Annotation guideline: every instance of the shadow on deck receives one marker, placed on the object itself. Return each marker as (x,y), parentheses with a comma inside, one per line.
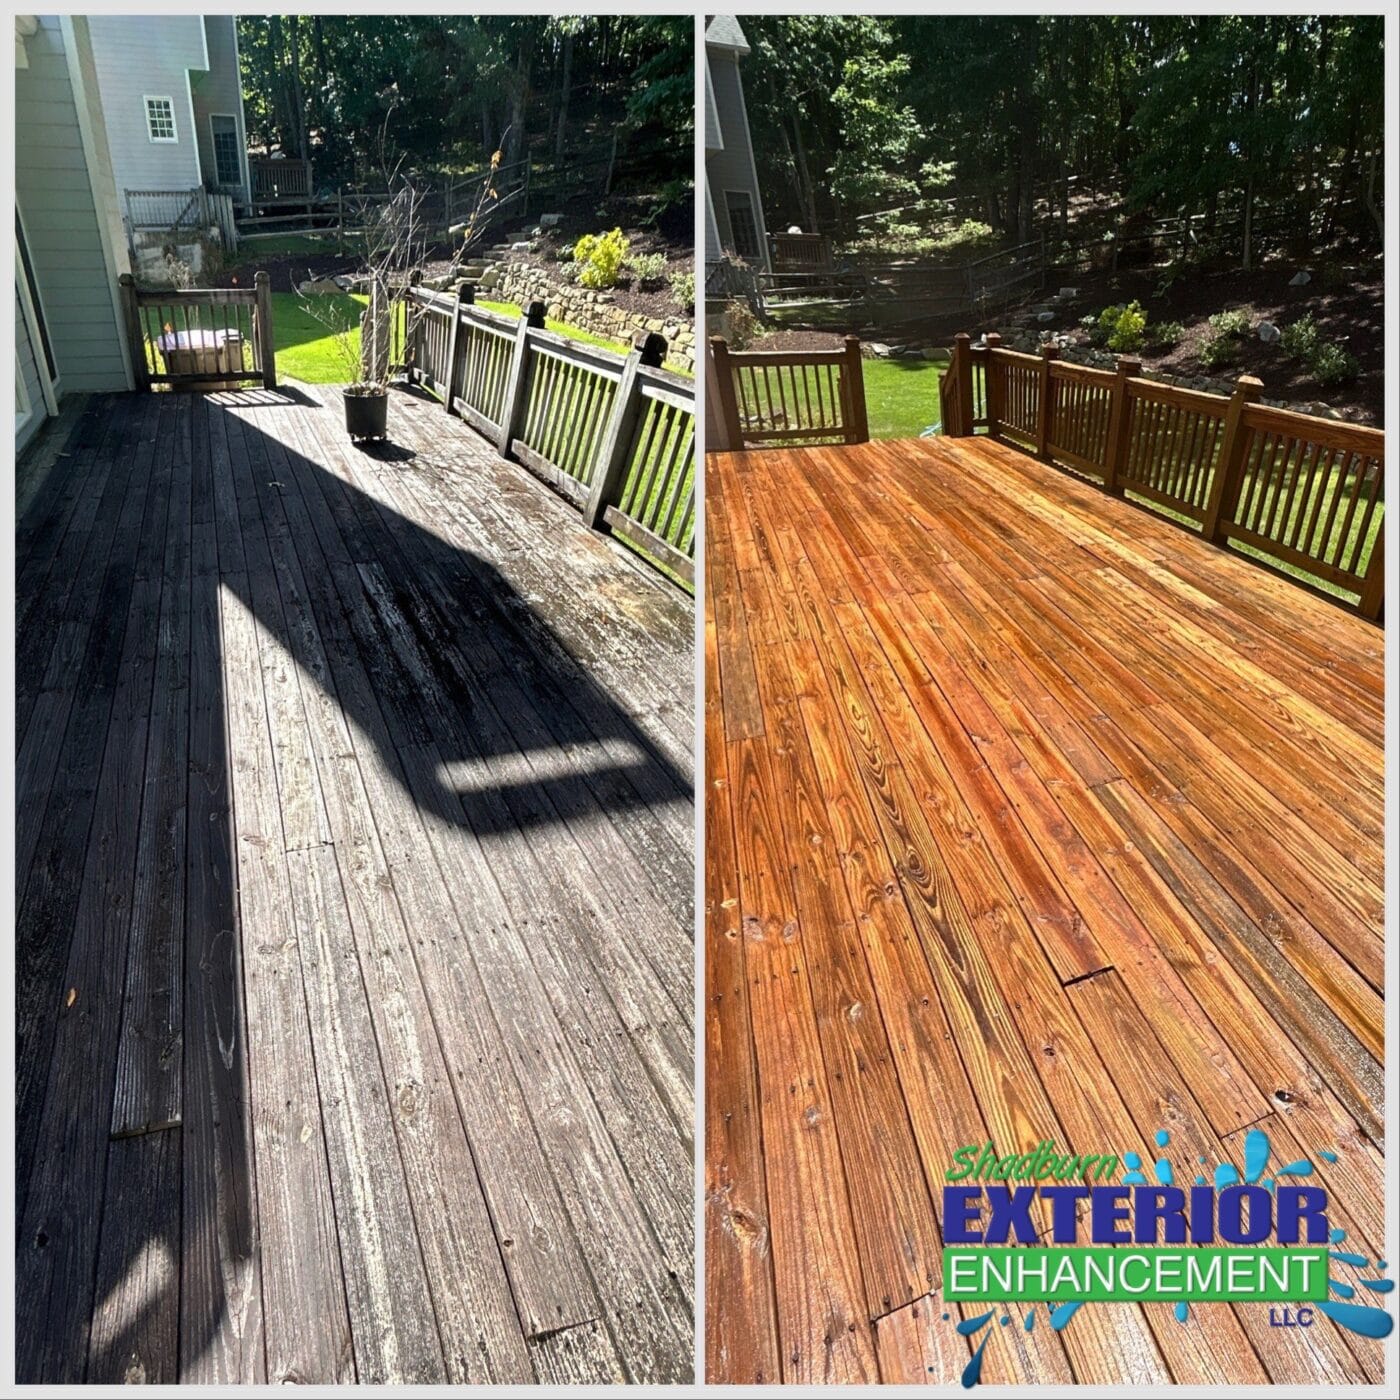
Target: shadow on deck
(347,780)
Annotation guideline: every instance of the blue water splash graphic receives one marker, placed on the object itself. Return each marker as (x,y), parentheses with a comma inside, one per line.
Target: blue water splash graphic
(1030,1321)
(972,1372)
(1182,1311)
(1356,1317)
(1226,1174)
(1133,1176)
(1328,1156)
(1163,1168)
(1061,1313)
(1357,1261)
(1337,1235)
(1342,1290)
(1256,1155)
(1296,1169)
(969,1325)
(1379,1285)
(1162,1137)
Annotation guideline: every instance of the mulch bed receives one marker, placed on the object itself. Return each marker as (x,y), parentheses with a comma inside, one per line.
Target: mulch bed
(1347,303)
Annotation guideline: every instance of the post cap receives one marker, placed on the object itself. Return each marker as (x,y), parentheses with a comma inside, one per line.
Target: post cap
(260,278)
(1248,386)
(651,347)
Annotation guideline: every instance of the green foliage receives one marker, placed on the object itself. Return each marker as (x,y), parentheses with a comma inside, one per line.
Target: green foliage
(683,289)
(598,258)
(1301,339)
(1233,324)
(1165,335)
(1332,365)
(1220,350)
(743,324)
(649,269)
(1329,363)
(1121,328)
(1185,113)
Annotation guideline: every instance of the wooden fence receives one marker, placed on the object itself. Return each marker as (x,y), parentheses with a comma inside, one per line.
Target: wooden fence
(206,337)
(613,435)
(789,397)
(274,178)
(800,252)
(1300,491)
(176,212)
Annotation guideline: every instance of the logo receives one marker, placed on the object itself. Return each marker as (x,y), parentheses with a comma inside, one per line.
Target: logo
(1058,1229)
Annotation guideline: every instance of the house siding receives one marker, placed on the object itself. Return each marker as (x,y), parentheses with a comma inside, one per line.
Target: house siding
(29,372)
(220,91)
(140,55)
(731,168)
(61,220)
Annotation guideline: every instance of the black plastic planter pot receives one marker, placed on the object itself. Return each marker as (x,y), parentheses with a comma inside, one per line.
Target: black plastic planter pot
(366,415)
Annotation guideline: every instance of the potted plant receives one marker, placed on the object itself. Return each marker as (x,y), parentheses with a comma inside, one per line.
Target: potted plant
(395,242)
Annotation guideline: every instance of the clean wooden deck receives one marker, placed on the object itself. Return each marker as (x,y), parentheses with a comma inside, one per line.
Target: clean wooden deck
(1028,816)
(355,886)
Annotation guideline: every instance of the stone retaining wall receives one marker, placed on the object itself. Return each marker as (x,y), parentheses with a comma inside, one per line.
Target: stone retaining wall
(588,310)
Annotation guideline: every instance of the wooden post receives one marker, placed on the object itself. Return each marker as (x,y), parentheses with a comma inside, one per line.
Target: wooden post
(996,383)
(267,352)
(466,294)
(853,392)
(140,365)
(340,217)
(728,403)
(1044,410)
(647,349)
(1120,425)
(517,386)
(962,382)
(1373,585)
(1229,469)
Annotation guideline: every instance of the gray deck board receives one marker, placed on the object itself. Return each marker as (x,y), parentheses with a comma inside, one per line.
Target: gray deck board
(366,857)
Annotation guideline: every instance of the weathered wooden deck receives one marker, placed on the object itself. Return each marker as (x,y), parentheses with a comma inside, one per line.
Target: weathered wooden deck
(354,863)
(1028,817)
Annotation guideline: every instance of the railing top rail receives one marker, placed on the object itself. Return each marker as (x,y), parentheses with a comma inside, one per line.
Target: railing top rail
(1013,357)
(1158,392)
(211,296)
(786,357)
(551,342)
(667,379)
(1355,436)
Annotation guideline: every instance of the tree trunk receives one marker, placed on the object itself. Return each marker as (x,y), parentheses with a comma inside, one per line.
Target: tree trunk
(561,129)
(804,175)
(1372,207)
(298,103)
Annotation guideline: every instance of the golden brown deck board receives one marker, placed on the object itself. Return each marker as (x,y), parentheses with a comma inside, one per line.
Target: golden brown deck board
(1070,778)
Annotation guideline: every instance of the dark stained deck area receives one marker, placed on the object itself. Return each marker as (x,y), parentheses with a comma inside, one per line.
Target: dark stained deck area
(355,886)
(1028,816)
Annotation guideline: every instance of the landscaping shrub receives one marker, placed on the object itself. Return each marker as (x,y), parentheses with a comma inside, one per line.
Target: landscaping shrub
(1230,323)
(1166,335)
(1331,365)
(648,268)
(1301,339)
(683,289)
(1122,328)
(599,258)
(1220,350)
(743,324)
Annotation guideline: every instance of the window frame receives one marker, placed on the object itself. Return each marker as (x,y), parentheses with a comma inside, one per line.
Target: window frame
(751,204)
(214,147)
(174,138)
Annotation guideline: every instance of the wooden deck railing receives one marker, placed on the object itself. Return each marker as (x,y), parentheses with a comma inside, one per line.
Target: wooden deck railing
(1301,491)
(203,336)
(613,434)
(777,398)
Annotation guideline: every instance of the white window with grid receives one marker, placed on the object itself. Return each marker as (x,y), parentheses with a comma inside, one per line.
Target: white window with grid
(160,119)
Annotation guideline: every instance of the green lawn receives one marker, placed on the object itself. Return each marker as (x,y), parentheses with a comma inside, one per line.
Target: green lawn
(901,396)
(306,348)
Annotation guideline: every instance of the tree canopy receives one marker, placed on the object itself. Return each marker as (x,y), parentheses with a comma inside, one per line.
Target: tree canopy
(1174,114)
(461,87)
